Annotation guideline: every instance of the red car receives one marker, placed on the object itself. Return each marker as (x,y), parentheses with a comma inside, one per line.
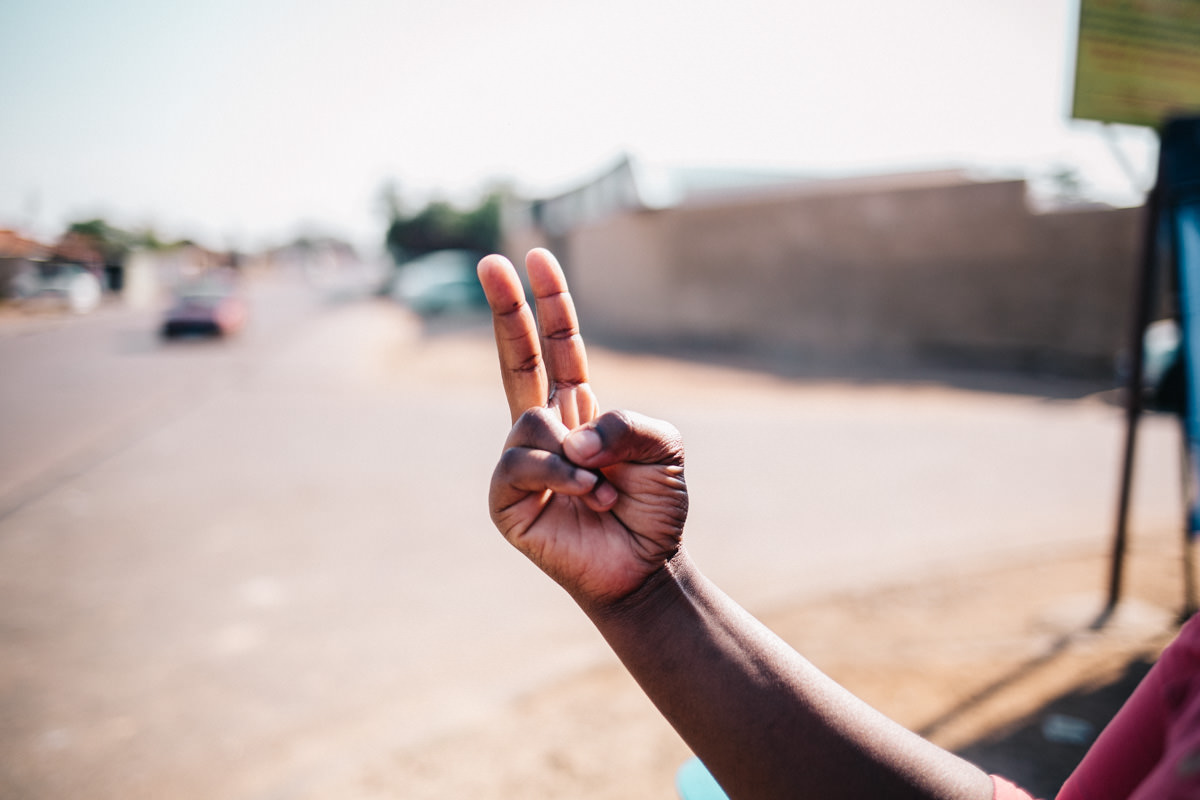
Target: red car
(205,308)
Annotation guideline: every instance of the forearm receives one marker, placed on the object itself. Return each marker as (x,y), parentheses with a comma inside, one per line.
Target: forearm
(764,720)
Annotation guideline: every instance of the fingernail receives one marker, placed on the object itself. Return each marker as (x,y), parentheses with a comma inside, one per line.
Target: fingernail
(606,493)
(582,444)
(585,479)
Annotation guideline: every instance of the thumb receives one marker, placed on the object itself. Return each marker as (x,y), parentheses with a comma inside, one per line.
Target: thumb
(624,437)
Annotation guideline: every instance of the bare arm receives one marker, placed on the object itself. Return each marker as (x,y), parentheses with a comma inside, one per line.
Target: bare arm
(765,721)
(599,503)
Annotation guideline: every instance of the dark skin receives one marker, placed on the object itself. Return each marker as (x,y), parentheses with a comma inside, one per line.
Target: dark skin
(598,502)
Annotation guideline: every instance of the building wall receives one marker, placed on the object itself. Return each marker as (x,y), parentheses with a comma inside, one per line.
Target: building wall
(10,268)
(964,272)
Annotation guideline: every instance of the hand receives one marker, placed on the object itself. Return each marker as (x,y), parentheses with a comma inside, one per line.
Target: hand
(597,502)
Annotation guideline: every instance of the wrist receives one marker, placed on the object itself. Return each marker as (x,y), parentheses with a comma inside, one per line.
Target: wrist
(663,590)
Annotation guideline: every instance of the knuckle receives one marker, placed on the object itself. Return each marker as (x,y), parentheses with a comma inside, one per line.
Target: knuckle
(563,333)
(534,420)
(531,363)
(510,461)
(673,444)
(507,306)
(615,425)
(645,438)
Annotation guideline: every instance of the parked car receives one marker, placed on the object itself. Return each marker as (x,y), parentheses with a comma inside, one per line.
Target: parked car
(440,282)
(207,307)
(61,285)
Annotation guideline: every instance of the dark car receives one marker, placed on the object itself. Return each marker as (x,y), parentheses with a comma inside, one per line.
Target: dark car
(210,307)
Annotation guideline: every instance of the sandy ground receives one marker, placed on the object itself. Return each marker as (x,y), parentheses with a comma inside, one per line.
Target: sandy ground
(999,665)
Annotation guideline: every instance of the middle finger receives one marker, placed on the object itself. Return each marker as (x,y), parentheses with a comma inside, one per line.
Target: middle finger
(561,343)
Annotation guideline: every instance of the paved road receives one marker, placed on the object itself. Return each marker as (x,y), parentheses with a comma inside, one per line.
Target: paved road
(253,570)
(76,388)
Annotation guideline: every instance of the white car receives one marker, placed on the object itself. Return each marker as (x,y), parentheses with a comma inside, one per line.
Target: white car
(74,286)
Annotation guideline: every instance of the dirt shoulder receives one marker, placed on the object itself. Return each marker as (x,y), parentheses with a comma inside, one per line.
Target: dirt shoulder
(997,663)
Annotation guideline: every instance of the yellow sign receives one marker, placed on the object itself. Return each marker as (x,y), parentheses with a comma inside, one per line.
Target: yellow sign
(1138,61)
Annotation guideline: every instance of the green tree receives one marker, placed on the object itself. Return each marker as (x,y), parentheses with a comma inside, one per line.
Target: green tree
(112,242)
(441,226)
(115,243)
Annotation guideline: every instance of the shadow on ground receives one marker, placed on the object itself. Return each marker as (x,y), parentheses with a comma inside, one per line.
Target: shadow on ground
(1039,752)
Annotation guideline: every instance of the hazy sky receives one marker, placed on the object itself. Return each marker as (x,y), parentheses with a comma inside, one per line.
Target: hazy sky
(243,121)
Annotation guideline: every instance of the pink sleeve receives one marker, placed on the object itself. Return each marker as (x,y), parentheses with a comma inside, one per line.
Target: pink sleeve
(1151,749)
(1005,790)
(1143,751)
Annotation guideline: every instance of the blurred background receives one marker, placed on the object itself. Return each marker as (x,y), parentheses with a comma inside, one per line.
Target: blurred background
(859,252)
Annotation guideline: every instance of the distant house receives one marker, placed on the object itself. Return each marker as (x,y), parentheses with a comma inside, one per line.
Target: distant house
(82,250)
(68,274)
(19,255)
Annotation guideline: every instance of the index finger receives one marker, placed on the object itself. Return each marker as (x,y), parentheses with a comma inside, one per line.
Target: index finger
(521,367)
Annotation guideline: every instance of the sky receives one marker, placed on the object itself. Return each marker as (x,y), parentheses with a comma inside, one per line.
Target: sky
(244,123)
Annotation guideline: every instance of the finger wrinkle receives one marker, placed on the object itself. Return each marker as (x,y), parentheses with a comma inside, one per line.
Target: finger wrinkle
(523,336)
(531,364)
(563,334)
(516,309)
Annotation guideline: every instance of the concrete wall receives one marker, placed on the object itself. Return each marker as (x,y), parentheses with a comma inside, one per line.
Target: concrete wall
(963,271)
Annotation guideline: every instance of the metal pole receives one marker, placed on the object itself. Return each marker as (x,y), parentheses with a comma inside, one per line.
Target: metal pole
(1144,299)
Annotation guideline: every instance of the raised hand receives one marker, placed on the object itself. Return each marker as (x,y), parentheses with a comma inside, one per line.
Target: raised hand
(597,502)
